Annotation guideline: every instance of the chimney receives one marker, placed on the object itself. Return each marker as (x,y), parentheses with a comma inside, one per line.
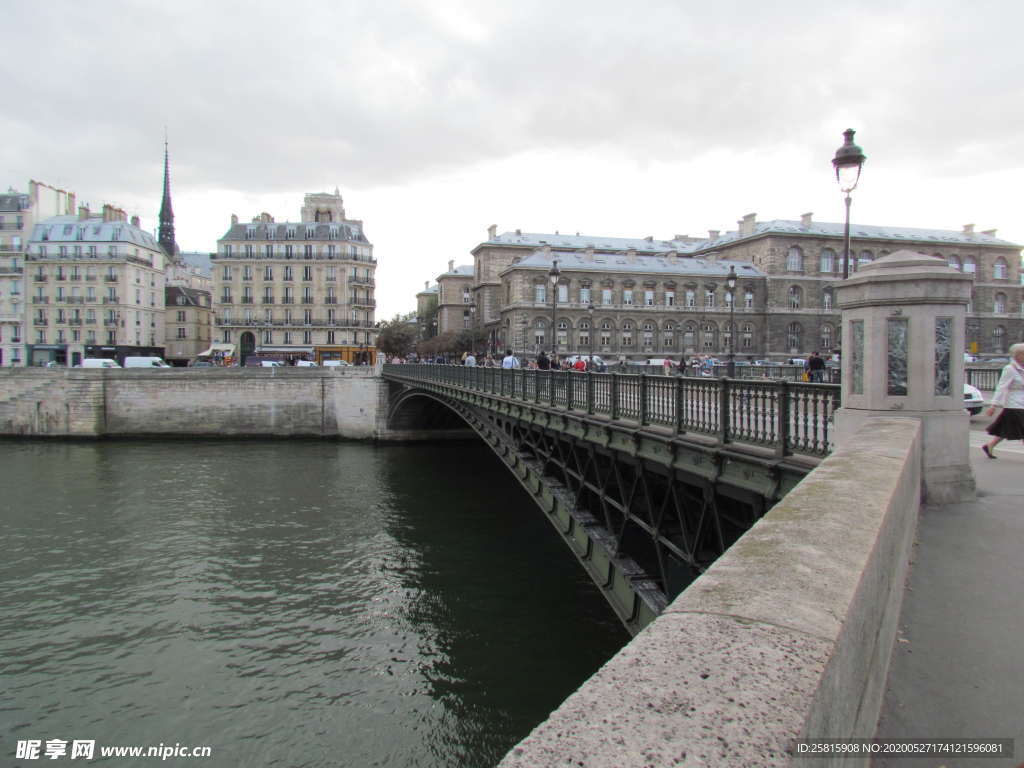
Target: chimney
(746,224)
(519,232)
(968,229)
(805,220)
(451,265)
(492,232)
(649,238)
(135,221)
(70,208)
(713,234)
(680,237)
(234,219)
(989,232)
(426,285)
(83,212)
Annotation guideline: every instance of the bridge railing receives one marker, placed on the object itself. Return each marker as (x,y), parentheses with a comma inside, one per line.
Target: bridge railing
(790,417)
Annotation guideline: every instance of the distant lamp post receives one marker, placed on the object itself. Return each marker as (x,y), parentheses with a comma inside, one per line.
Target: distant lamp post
(433,326)
(553,276)
(593,332)
(730,286)
(848,162)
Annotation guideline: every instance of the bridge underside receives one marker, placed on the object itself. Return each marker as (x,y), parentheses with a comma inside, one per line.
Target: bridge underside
(643,510)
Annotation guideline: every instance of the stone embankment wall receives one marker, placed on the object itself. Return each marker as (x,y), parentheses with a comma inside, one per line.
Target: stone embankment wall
(271,402)
(787,636)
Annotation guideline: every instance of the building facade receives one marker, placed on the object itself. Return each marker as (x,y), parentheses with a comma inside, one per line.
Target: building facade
(95,289)
(19,212)
(297,290)
(656,298)
(456,306)
(188,320)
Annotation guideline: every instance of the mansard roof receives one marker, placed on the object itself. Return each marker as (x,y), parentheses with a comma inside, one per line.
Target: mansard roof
(11,202)
(463,270)
(65,229)
(859,231)
(347,230)
(597,242)
(642,264)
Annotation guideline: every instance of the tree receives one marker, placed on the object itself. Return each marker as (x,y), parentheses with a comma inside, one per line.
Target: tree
(396,337)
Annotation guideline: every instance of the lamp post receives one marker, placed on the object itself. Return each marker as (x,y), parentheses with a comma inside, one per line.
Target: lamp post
(730,286)
(593,331)
(848,161)
(553,276)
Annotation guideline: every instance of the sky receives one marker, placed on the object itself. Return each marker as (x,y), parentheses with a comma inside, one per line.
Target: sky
(438,118)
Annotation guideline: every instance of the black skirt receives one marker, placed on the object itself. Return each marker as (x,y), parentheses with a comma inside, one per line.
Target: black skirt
(1009,425)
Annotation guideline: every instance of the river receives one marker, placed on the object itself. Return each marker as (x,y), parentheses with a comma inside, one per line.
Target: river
(285,603)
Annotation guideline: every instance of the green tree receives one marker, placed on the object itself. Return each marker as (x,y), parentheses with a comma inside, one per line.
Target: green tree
(396,337)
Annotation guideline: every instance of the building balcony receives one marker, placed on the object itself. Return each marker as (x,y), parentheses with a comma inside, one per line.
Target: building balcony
(74,277)
(110,323)
(72,300)
(11,270)
(39,278)
(111,300)
(357,301)
(40,321)
(110,278)
(288,300)
(307,299)
(226,300)
(361,280)
(74,321)
(247,300)
(90,321)
(12,226)
(267,300)
(331,300)
(40,299)
(90,278)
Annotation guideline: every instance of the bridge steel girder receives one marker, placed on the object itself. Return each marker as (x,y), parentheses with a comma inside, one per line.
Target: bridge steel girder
(643,510)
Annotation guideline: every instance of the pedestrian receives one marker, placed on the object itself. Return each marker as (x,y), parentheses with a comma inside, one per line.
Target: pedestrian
(667,365)
(1009,396)
(543,363)
(510,360)
(580,365)
(469,359)
(815,367)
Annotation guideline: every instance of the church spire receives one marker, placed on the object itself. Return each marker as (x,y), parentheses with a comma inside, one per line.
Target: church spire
(166,234)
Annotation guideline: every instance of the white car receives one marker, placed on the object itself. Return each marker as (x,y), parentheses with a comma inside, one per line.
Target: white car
(336,363)
(973,401)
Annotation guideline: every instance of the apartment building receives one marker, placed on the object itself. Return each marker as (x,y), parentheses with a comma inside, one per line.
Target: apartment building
(95,288)
(297,290)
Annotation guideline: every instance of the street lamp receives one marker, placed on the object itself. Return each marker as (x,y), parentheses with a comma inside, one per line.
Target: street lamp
(593,331)
(730,286)
(848,161)
(553,276)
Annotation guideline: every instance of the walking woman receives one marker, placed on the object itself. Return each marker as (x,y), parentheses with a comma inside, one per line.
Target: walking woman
(1010,396)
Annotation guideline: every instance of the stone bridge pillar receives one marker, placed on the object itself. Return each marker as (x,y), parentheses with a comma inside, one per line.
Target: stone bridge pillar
(902,345)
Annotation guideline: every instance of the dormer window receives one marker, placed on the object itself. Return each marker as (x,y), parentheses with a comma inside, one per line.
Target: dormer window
(333,235)
(80,233)
(310,233)
(271,232)
(116,235)
(290,233)
(250,233)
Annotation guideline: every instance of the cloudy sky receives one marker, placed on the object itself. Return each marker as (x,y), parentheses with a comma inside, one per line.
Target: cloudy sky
(437,118)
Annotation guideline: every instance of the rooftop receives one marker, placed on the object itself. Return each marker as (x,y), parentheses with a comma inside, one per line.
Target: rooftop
(642,264)
(71,229)
(347,230)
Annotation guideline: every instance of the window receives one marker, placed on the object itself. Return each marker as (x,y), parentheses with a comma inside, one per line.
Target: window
(709,298)
(539,294)
(689,335)
(307,337)
(268,337)
(648,298)
(247,272)
(728,299)
(999,270)
(181,333)
(563,294)
(794,334)
(332,273)
(225,273)
(865,257)
(969,265)
(826,337)
(670,298)
(268,273)
(998,338)
(288,274)
(307,274)
(828,261)
(795,297)
(691,298)
(710,334)
(268,251)
(954,262)
(584,295)
(746,336)
(287,337)
(748,299)
(795,259)
(826,300)
(248,251)
(330,337)
(627,297)
(181,316)
(999,306)
(606,296)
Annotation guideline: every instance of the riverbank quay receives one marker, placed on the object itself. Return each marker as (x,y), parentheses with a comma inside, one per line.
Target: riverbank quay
(956,670)
(347,403)
(787,636)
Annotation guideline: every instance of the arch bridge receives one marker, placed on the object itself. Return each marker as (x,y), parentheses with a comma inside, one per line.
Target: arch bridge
(648,479)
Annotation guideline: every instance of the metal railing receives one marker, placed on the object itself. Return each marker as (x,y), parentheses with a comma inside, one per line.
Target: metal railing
(983,378)
(790,417)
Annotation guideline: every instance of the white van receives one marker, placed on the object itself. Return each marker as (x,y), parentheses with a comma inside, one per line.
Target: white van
(99,362)
(145,362)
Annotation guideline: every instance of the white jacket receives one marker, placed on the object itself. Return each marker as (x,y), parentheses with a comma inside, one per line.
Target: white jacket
(1010,390)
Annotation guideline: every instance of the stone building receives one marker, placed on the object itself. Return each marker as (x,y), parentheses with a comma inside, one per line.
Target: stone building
(656,298)
(298,290)
(455,306)
(426,310)
(188,319)
(19,212)
(96,289)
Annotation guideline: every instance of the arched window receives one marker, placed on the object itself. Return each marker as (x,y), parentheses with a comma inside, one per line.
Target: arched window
(999,270)
(796,296)
(794,334)
(954,261)
(728,299)
(999,339)
(795,259)
(826,300)
(999,306)
(689,336)
(648,325)
(584,325)
(709,298)
(709,333)
(865,257)
(826,336)
(746,336)
(970,267)
(748,299)
(828,261)
(606,325)
(691,298)
(627,326)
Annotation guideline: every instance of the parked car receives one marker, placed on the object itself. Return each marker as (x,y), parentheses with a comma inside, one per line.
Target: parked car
(99,362)
(973,401)
(305,364)
(336,363)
